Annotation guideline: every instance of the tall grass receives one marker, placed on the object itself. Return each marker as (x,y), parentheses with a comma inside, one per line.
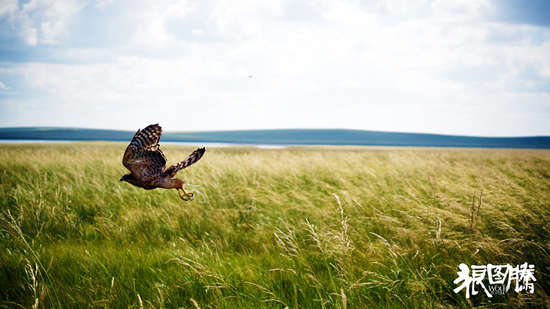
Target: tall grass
(296,227)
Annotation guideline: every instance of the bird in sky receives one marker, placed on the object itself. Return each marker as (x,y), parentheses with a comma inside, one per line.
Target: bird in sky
(146,163)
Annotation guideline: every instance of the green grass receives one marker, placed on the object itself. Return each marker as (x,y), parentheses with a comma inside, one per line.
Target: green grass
(344,227)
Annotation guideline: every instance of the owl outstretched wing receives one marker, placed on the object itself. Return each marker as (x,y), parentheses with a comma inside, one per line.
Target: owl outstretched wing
(143,156)
(193,157)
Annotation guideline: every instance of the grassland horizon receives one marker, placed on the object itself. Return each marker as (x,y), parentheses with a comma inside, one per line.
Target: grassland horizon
(297,227)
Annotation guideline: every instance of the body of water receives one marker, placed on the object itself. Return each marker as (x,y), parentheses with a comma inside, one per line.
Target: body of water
(32,141)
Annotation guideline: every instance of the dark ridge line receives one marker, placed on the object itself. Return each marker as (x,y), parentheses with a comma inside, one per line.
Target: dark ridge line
(338,137)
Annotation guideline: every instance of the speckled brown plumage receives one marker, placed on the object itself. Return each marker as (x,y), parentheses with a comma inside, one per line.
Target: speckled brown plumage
(146,163)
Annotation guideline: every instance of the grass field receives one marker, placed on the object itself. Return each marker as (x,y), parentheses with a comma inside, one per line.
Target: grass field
(293,227)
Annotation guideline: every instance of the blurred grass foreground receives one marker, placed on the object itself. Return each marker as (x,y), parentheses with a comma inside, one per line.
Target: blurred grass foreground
(298,227)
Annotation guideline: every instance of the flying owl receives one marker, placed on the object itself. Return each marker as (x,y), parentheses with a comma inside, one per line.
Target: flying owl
(146,163)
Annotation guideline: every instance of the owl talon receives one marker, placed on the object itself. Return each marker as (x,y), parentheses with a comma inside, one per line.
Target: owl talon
(184,195)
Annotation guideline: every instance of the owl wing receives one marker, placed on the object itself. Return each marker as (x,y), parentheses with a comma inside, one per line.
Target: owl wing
(143,156)
(193,157)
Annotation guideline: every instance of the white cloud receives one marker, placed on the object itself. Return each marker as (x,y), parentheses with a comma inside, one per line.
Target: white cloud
(103,3)
(41,21)
(7,7)
(347,83)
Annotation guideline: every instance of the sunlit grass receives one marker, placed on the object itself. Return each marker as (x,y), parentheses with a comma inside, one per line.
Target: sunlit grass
(298,227)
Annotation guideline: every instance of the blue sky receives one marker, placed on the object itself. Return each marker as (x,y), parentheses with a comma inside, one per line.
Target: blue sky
(455,67)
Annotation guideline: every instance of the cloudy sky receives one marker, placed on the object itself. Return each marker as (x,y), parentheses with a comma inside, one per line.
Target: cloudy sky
(456,67)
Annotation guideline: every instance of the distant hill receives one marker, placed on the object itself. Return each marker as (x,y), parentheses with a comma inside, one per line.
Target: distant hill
(285,137)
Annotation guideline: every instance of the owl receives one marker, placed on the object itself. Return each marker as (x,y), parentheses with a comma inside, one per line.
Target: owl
(146,163)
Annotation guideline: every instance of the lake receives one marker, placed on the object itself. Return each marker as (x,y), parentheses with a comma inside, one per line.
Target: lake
(31,141)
